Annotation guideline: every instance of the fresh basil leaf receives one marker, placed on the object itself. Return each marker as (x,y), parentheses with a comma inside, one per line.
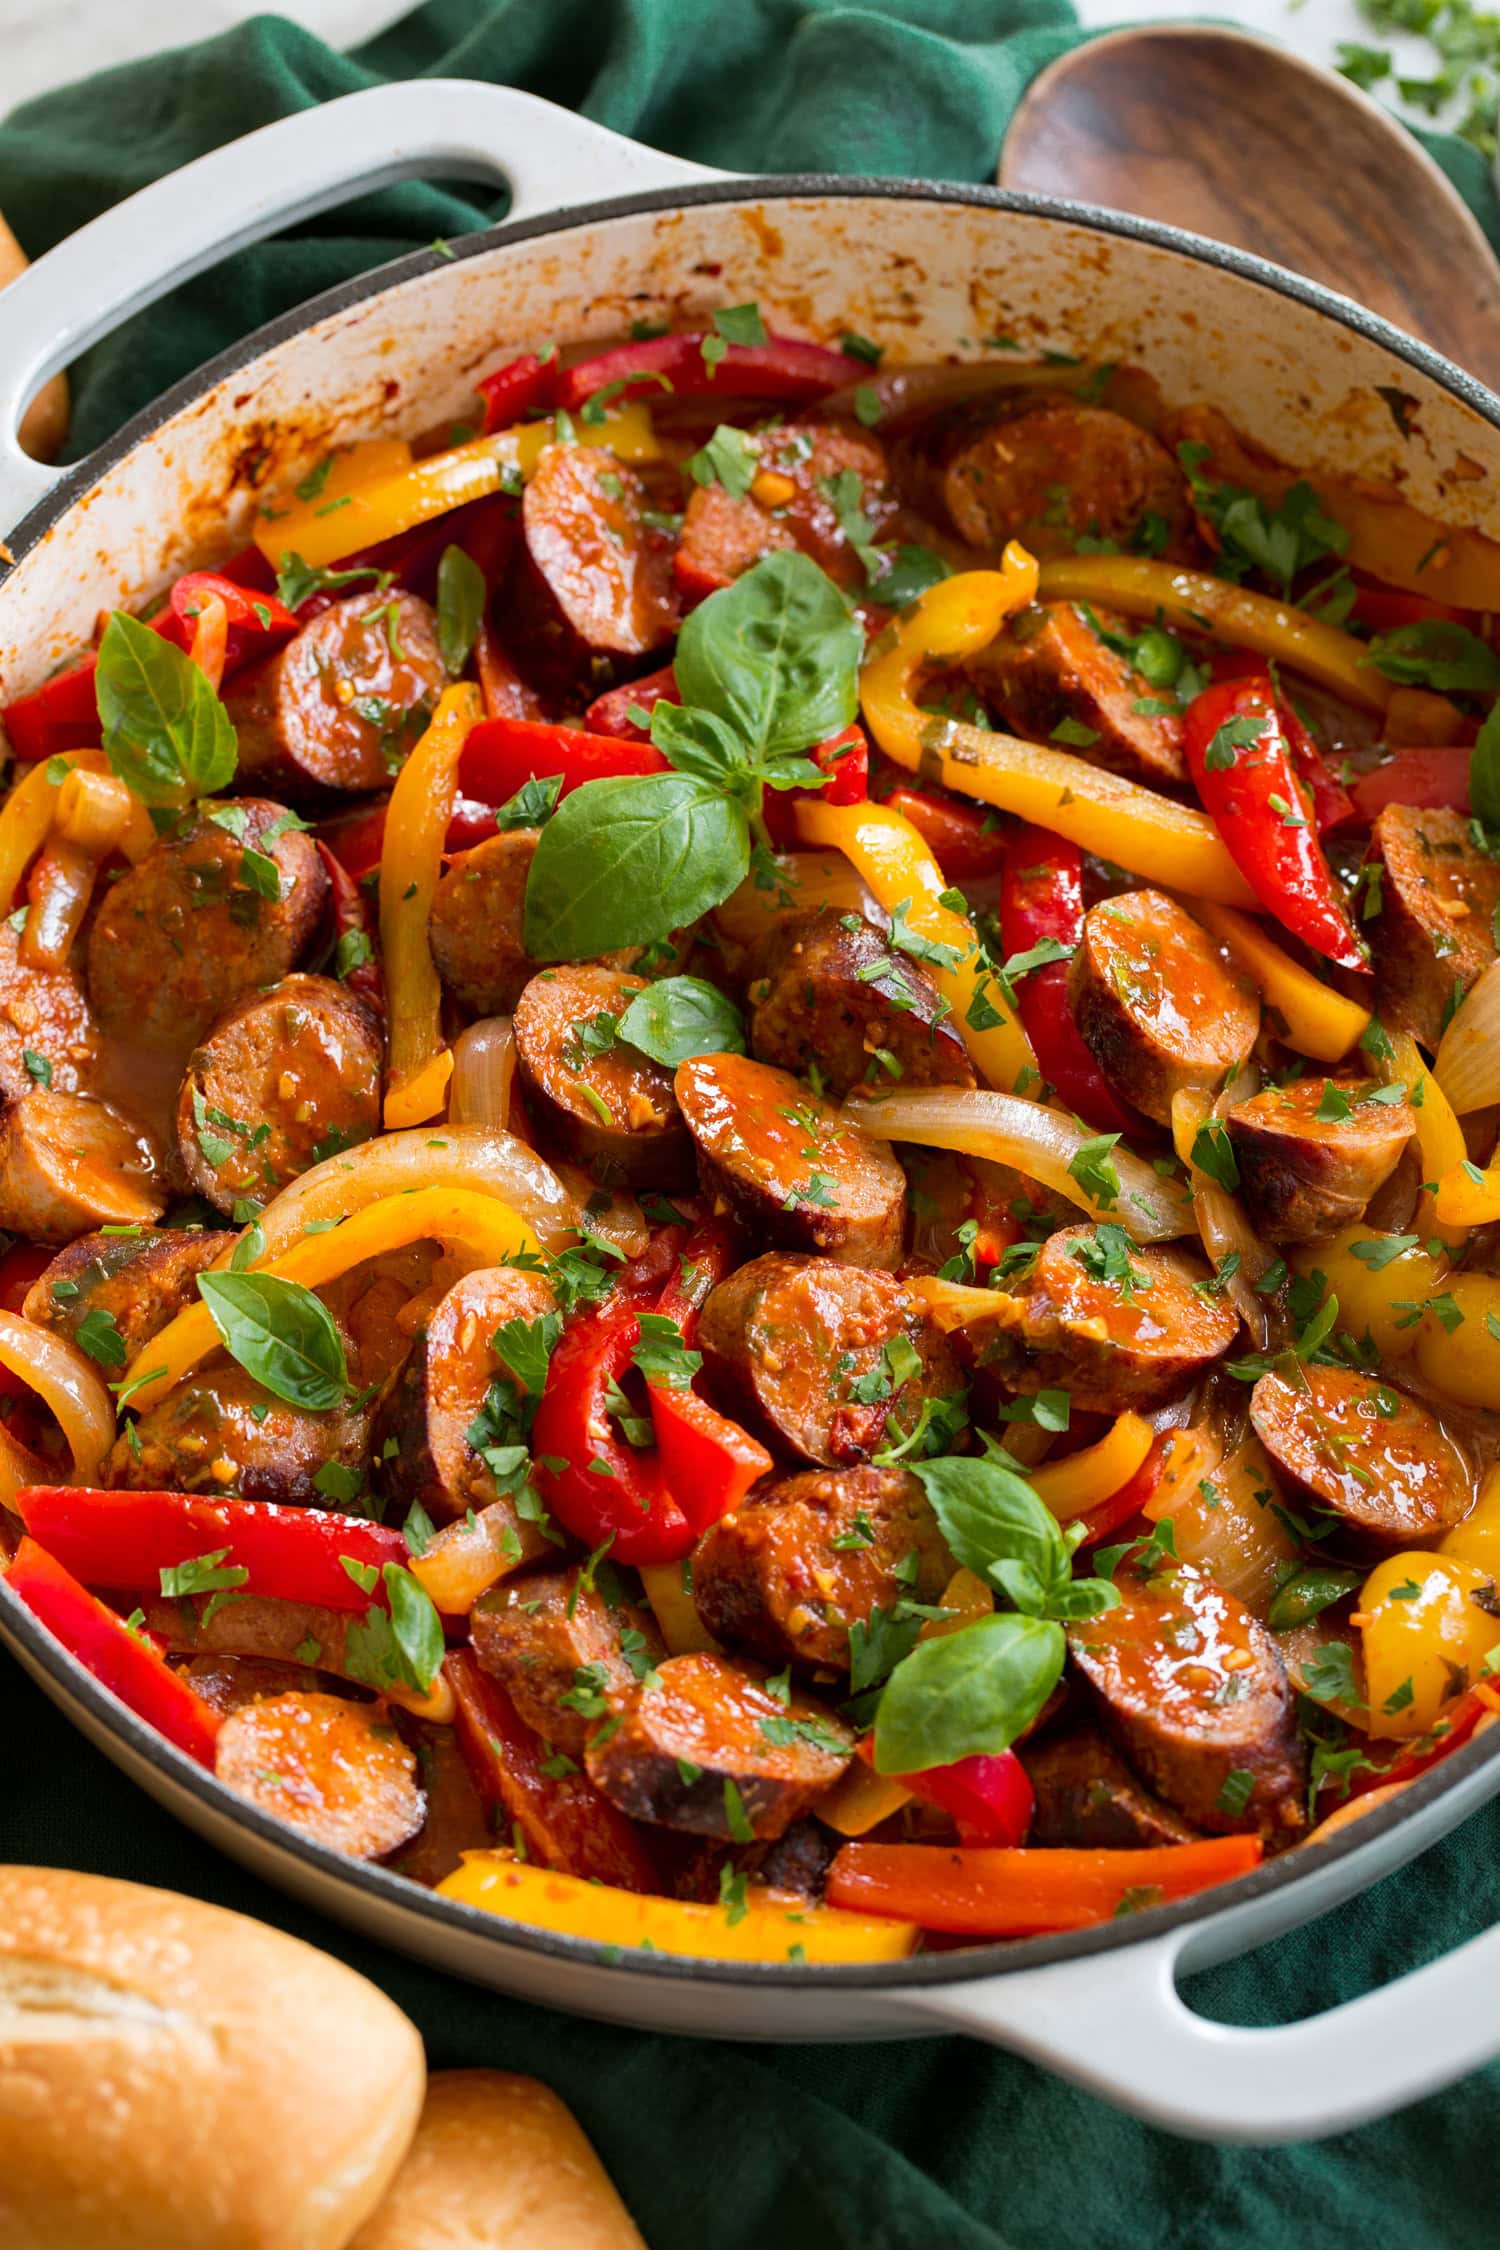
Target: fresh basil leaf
(626,860)
(729,458)
(1085,1597)
(533,804)
(968,1693)
(165,730)
(906,573)
(1436,652)
(989,1514)
(679,1017)
(696,742)
(280,1333)
(775,655)
(297,581)
(460,607)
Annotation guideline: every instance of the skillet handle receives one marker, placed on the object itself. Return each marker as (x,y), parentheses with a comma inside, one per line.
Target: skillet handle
(424,128)
(1117,2025)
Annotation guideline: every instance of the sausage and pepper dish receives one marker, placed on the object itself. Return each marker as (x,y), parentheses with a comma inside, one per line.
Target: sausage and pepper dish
(749,1136)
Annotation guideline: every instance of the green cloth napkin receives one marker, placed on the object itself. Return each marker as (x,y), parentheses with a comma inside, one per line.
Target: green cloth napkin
(887,2147)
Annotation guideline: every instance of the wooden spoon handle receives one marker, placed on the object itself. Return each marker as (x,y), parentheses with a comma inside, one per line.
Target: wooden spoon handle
(44,425)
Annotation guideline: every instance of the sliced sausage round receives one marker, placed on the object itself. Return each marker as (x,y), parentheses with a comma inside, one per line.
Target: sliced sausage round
(595,1099)
(1312,1153)
(781,1160)
(230,1682)
(1431,920)
(69,1164)
(475,928)
(805,1557)
(1115,1326)
(1193,1691)
(225,903)
(283,1079)
(704,1745)
(1052,669)
(1049,471)
(1088,1799)
(221,1432)
(594,563)
(831,992)
(807,1351)
(140,1281)
(790,504)
(457,1396)
(44,1015)
(335,1769)
(1159,1007)
(342,703)
(564,1655)
(1353,1444)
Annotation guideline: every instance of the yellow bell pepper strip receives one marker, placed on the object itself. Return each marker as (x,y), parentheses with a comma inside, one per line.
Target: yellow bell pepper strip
(1467,1197)
(28,812)
(1317,1021)
(953,620)
(1072,1486)
(892,858)
(1477,1538)
(677,1619)
(376,507)
(1195,602)
(766,1926)
(1372,1297)
(411,861)
(1458,1343)
(477,1228)
(1416,1646)
(1440,1137)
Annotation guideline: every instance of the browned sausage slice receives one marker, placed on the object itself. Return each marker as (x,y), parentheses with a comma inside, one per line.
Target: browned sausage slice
(44,1013)
(1048,471)
(220,1432)
(807,1350)
(1193,1691)
(791,503)
(476,922)
(1088,1798)
(1434,932)
(777,1156)
(230,1682)
(564,1655)
(440,1418)
(337,1770)
(1353,1444)
(595,1099)
(806,1556)
(1312,1153)
(224,904)
(1051,671)
(283,1079)
(1115,1326)
(141,1281)
(69,1164)
(1158,1005)
(832,993)
(705,1746)
(341,704)
(603,571)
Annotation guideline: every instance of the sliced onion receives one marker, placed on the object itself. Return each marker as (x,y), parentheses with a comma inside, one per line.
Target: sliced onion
(1223,1227)
(484,1064)
(1468,1057)
(456,1156)
(1036,1141)
(1220,1525)
(68,1383)
(58,892)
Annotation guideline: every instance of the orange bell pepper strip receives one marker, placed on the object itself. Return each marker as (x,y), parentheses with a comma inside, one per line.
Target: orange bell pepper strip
(766,1926)
(1468,1197)
(1021,1893)
(897,865)
(1079,1481)
(410,863)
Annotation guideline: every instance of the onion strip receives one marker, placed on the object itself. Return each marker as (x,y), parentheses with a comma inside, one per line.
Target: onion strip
(484,1066)
(66,1382)
(1467,1066)
(1039,1142)
(1223,1227)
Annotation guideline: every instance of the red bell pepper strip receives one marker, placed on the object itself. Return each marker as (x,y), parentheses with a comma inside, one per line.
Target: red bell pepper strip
(845,756)
(352,918)
(501,754)
(1251,791)
(989,1797)
(782,367)
(127,1539)
(1022,1893)
(559,1818)
(957,836)
(356,839)
(125,1661)
(257,622)
(62,714)
(519,387)
(1041,896)
(22,1264)
(506,694)
(1385,608)
(710,1251)
(597,1485)
(1433,776)
(1333,807)
(610,713)
(708,1463)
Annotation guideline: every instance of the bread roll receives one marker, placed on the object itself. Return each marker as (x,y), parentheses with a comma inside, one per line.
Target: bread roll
(499,2163)
(175,2077)
(44,425)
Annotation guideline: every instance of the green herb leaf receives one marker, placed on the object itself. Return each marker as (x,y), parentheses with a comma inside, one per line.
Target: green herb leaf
(967,1693)
(201,1574)
(621,861)
(775,656)
(679,1017)
(460,607)
(729,458)
(280,1333)
(165,730)
(1436,652)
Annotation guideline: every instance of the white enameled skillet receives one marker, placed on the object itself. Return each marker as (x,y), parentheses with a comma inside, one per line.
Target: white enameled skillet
(602,230)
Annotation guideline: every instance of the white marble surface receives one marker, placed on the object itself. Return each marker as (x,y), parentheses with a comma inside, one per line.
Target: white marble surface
(44,43)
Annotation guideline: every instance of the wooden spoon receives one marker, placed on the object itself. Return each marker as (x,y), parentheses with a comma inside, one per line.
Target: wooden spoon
(1235,138)
(44,425)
